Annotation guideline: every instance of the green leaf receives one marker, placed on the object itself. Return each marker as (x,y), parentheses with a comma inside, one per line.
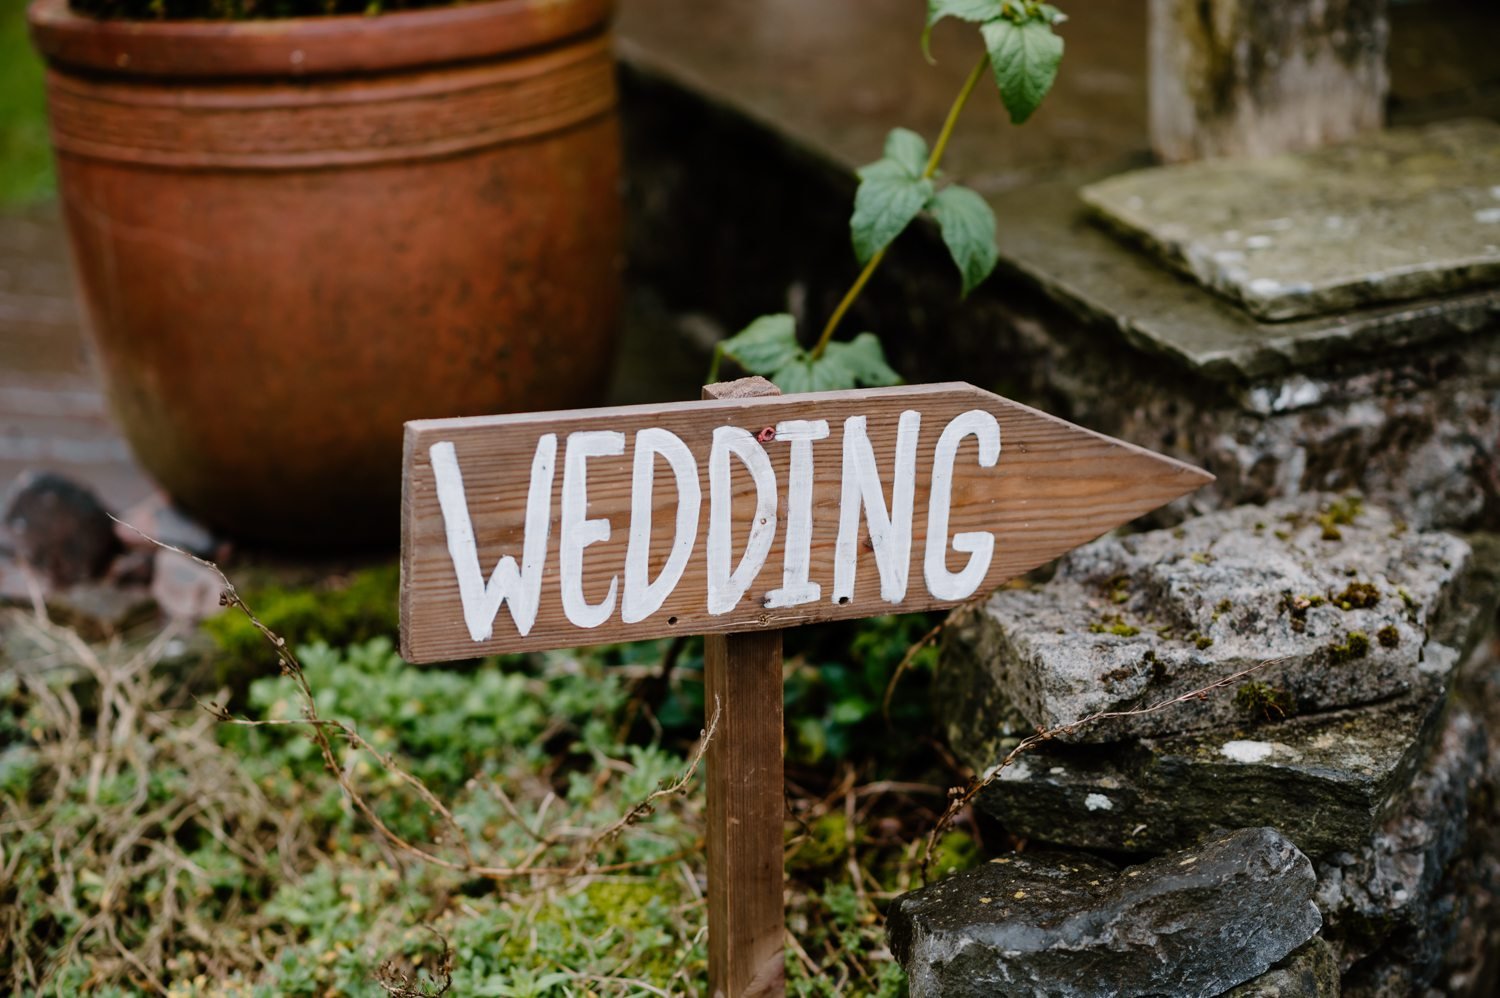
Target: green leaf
(907,149)
(796,377)
(861,360)
(965,10)
(968,227)
(977,11)
(852,364)
(1024,57)
(884,205)
(766,345)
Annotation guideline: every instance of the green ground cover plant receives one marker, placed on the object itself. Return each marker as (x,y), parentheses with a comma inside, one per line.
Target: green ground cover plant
(149,846)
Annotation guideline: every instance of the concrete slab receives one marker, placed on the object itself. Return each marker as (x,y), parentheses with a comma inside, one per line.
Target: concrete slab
(1401,214)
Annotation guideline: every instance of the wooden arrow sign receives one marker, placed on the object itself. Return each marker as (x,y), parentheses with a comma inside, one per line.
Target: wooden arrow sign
(545,530)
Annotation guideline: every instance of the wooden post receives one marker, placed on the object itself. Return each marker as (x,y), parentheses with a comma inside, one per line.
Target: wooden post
(746,798)
(1251,78)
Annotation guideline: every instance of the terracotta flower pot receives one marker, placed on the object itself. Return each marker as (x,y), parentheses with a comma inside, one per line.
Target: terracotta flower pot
(291,236)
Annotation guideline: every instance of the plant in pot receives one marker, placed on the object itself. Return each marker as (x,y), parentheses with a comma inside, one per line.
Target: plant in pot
(296,225)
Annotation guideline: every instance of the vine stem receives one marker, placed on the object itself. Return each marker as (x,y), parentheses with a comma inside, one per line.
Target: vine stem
(938,148)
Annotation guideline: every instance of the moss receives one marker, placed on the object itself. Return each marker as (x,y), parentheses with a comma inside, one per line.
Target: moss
(1388,636)
(364,607)
(1297,606)
(1263,702)
(1357,596)
(1201,640)
(957,851)
(1202,558)
(1114,625)
(826,844)
(1340,513)
(1355,645)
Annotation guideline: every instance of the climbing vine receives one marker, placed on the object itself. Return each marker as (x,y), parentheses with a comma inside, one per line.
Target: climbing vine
(1022,52)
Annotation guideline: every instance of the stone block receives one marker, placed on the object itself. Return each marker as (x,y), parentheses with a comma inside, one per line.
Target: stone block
(1310,971)
(1397,905)
(1324,781)
(1337,597)
(1248,78)
(1194,923)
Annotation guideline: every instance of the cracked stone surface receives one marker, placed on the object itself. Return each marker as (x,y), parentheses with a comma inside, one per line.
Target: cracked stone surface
(1325,781)
(1311,971)
(1401,214)
(1193,923)
(1340,597)
(1395,906)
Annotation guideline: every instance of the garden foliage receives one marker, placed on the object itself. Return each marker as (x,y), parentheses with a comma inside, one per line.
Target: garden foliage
(149,847)
(1023,52)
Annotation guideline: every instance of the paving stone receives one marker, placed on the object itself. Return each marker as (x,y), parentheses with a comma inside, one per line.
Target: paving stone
(1339,596)
(1324,781)
(1192,923)
(1404,213)
(1310,971)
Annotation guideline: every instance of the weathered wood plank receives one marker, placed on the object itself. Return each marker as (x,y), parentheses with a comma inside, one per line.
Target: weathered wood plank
(1053,487)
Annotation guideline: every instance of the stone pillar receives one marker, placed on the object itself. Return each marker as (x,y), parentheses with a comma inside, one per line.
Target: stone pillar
(1252,78)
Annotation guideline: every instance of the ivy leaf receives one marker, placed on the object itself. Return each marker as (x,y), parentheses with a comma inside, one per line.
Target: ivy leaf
(907,150)
(766,345)
(968,227)
(1024,57)
(977,11)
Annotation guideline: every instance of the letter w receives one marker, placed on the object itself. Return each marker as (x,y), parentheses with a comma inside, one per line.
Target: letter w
(522,587)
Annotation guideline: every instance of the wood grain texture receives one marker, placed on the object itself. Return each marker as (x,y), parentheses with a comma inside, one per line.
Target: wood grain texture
(746,798)
(746,811)
(1054,487)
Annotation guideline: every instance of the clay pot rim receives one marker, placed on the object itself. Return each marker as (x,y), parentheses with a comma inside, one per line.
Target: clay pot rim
(350,44)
